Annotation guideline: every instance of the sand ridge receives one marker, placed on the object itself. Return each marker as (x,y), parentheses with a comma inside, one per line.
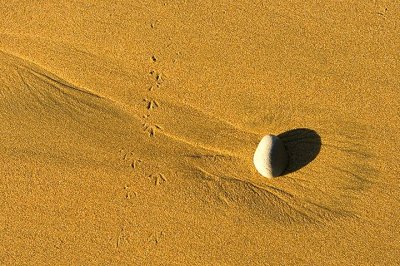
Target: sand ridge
(128,130)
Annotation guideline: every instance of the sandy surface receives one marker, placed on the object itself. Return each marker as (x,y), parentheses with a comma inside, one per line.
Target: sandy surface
(128,130)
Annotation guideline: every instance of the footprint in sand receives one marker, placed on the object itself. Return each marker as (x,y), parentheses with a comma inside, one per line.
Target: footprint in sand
(159,79)
(129,192)
(151,129)
(135,163)
(156,237)
(158,178)
(130,157)
(151,104)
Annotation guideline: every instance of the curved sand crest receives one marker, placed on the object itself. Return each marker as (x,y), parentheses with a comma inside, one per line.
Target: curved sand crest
(226,169)
(207,170)
(81,186)
(224,166)
(42,112)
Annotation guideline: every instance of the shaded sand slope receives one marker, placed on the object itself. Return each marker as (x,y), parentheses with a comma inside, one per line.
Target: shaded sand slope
(60,140)
(127,133)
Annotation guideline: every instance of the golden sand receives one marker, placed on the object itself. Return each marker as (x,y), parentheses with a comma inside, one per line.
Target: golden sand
(128,130)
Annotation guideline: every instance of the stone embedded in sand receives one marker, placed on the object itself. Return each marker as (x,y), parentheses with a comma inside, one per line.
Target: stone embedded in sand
(270,157)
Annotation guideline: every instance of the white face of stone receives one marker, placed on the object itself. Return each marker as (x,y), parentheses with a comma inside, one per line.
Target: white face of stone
(261,159)
(270,157)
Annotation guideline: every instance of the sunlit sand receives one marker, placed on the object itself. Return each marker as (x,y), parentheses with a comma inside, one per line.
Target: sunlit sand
(128,131)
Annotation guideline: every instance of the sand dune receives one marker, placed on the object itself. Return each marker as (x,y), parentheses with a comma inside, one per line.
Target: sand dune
(128,132)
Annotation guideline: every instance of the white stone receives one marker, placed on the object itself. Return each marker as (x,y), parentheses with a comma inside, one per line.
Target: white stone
(270,157)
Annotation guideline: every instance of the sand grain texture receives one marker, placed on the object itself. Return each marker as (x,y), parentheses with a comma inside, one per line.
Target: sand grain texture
(127,133)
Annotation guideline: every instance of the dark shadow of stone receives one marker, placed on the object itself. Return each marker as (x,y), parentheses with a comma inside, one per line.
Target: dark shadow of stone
(303,146)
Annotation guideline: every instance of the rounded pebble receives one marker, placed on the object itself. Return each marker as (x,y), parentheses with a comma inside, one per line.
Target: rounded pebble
(270,157)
